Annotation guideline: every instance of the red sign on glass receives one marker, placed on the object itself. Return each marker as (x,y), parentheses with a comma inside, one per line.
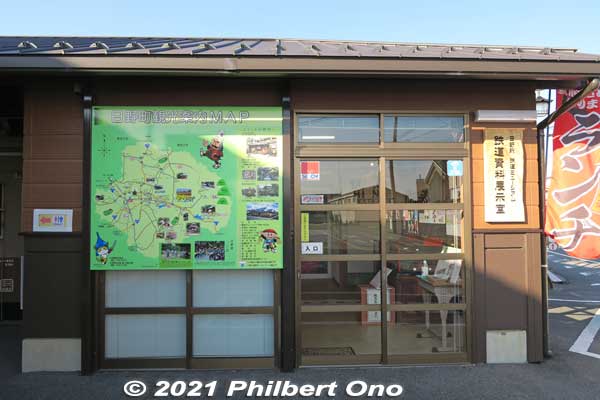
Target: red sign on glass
(310,170)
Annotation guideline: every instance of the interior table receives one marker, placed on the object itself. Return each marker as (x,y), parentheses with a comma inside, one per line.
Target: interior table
(444,291)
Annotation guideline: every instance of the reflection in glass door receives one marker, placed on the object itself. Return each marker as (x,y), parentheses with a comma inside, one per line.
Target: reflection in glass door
(340,309)
(424,249)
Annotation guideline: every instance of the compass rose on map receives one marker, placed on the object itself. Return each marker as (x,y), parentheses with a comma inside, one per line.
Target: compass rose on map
(104,149)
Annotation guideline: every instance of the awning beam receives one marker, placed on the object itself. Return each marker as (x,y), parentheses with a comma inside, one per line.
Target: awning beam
(591,86)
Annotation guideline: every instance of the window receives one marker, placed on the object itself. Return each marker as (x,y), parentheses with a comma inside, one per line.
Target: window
(143,335)
(338,129)
(424,231)
(427,129)
(243,292)
(147,317)
(233,335)
(365,129)
(417,181)
(145,289)
(233,288)
(344,232)
(340,181)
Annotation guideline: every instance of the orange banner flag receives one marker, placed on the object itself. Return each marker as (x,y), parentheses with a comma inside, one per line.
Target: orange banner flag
(573,199)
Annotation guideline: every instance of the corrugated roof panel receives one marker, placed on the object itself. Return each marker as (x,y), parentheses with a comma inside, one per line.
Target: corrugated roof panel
(332,49)
(363,50)
(395,51)
(46,50)
(263,48)
(424,52)
(87,51)
(246,47)
(565,56)
(53,45)
(176,47)
(488,55)
(296,48)
(137,46)
(221,47)
(462,53)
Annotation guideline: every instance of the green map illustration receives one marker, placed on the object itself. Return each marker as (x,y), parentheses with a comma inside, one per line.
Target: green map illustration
(183,188)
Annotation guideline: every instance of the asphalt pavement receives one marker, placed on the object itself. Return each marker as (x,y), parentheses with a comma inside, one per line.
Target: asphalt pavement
(573,305)
(567,375)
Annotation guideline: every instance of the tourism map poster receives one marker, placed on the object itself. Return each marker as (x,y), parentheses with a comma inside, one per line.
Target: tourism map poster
(186,188)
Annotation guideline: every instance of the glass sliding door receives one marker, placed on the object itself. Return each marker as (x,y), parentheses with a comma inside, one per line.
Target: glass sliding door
(339,257)
(424,246)
(381,237)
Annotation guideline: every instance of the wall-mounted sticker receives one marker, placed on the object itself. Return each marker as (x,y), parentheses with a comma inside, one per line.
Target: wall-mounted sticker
(312,248)
(455,167)
(312,199)
(50,220)
(11,280)
(310,170)
(7,285)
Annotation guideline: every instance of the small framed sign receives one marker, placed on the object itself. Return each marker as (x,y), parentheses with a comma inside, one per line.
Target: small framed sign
(50,220)
(504,164)
(312,199)
(312,248)
(7,285)
(455,167)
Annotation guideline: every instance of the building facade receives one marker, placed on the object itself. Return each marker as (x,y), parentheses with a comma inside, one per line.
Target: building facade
(382,204)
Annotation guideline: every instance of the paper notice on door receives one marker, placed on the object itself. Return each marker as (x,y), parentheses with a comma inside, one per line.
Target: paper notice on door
(304,227)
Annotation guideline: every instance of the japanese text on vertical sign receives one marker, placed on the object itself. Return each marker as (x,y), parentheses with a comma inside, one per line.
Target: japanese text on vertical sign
(503,176)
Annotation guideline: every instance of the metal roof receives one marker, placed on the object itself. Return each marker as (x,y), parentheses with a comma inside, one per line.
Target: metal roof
(116,46)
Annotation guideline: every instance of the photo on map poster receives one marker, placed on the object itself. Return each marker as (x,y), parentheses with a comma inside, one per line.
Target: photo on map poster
(209,251)
(268,174)
(183,187)
(249,174)
(249,192)
(175,254)
(269,190)
(262,211)
(192,228)
(261,147)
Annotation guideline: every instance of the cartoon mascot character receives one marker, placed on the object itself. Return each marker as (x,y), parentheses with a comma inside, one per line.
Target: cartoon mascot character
(270,239)
(214,149)
(103,249)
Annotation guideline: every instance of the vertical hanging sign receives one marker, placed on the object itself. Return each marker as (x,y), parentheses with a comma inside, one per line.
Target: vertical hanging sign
(503,175)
